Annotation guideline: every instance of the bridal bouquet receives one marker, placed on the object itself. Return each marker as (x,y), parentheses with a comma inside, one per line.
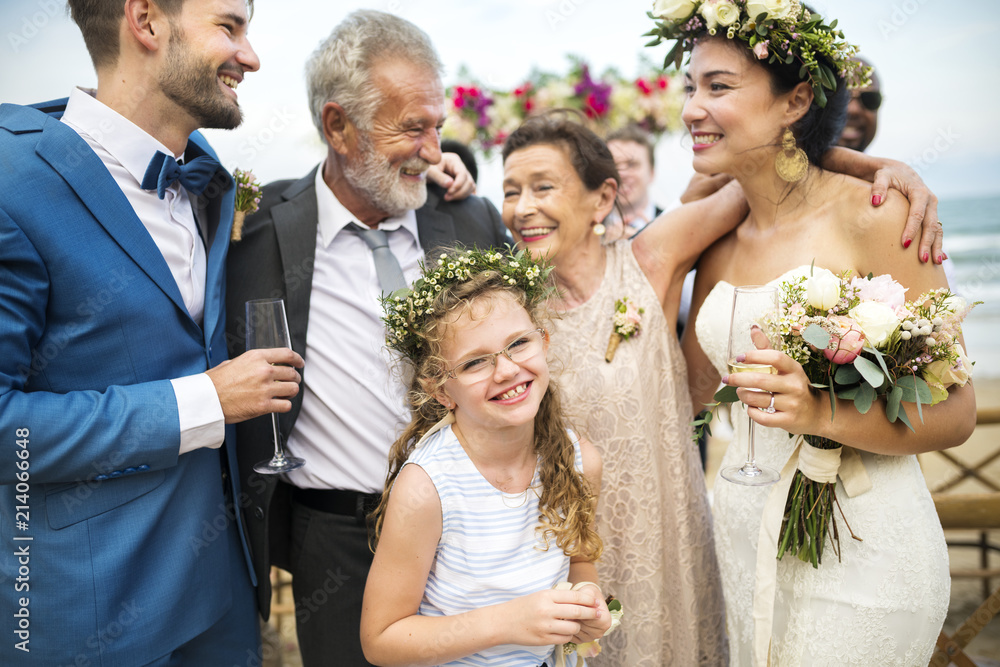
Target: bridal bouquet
(860,340)
(857,338)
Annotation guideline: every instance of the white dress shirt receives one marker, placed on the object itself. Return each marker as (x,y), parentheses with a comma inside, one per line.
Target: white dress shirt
(353,404)
(125,149)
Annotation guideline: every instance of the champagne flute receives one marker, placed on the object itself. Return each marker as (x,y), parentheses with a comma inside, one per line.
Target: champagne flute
(267,327)
(752,305)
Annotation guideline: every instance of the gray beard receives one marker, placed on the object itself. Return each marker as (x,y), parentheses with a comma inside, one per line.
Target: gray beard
(375,178)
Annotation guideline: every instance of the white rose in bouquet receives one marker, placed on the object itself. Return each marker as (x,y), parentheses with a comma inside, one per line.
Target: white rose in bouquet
(877,321)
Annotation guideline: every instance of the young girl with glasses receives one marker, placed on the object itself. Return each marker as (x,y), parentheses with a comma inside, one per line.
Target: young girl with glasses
(490,500)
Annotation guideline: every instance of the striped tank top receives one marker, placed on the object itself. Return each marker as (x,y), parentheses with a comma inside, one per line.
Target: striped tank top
(487,553)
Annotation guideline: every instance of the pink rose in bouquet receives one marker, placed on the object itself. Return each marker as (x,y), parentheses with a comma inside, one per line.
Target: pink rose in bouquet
(880,288)
(846,341)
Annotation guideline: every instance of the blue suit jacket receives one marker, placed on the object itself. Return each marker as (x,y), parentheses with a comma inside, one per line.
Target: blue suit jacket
(112,546)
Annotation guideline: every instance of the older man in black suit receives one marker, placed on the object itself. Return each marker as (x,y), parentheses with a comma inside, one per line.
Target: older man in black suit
(377,99)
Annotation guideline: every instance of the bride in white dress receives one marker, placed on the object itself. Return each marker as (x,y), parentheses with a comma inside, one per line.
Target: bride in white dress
(885,601)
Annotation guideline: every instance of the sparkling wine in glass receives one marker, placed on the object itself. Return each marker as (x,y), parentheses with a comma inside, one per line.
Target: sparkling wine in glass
(752,305)
(267,327)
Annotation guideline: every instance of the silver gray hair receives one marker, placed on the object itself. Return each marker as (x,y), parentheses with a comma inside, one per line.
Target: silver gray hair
(339,70)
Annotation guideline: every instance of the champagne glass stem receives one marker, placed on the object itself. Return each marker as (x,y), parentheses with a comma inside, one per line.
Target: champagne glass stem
(751,451)
(279,452)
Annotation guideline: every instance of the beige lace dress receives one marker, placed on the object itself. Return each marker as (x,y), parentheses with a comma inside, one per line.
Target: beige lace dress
(654,517)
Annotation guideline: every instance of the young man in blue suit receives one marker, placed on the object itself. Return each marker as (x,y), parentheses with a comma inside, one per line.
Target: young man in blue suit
(119,499)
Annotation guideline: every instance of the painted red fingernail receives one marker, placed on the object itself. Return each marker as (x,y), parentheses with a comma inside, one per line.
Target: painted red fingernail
(876,200)
(925,257)
(741,357)
(907,242)
(945,255)
(940,258)
(725,379)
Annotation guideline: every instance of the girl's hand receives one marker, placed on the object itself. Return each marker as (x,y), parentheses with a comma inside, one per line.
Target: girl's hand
(553,617)
(798,407)
(594,629)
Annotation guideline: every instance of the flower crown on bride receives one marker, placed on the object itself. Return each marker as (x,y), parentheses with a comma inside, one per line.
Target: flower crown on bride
(781,30)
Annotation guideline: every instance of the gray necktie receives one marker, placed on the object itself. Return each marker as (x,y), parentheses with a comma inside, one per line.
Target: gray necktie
(390,276)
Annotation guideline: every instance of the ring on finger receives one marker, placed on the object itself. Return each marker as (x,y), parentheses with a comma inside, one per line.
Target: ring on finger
(770,407)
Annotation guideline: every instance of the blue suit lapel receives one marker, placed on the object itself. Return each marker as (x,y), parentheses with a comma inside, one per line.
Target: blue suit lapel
(76,162)
(221,193)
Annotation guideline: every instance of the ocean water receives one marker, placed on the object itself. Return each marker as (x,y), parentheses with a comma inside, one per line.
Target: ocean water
(972,241)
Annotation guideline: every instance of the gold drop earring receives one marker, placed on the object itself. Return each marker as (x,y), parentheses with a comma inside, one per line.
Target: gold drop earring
(791,163)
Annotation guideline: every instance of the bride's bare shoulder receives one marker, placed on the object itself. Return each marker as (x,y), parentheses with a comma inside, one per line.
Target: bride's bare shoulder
(866,223)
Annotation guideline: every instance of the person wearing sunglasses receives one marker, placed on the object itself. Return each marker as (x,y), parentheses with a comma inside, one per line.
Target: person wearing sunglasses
(862,114)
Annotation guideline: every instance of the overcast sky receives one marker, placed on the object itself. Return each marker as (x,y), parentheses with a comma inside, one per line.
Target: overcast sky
(937,62)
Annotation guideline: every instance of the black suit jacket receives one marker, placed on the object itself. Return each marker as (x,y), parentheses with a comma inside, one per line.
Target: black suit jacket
(275,259)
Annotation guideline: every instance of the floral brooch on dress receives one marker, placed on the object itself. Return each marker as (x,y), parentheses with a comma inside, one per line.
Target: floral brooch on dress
(626,322)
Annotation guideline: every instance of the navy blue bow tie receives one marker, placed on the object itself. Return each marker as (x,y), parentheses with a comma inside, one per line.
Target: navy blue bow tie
(163,170)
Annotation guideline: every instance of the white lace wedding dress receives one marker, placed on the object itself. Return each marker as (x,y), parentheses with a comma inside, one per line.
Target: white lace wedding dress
(883,604)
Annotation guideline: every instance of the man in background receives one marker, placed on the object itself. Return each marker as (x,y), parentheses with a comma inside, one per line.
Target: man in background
(862,114)
(633,150)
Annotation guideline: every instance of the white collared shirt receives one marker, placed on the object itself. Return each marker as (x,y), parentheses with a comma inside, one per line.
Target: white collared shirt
(125,149)
(353,402)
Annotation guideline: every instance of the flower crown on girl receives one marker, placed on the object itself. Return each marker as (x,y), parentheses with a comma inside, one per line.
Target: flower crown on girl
(406,310)
(782,30)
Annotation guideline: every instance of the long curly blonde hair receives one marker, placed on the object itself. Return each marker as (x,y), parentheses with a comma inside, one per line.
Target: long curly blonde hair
(567,503)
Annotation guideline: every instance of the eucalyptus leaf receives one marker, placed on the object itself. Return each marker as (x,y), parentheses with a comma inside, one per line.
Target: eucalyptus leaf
(849,394)
(816,336)
(847,375)
(870,372)
(864,398)
(726,395)
(905,384)
(892,404)
(903,417)
(833,402)
(879,358)
(915,390)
